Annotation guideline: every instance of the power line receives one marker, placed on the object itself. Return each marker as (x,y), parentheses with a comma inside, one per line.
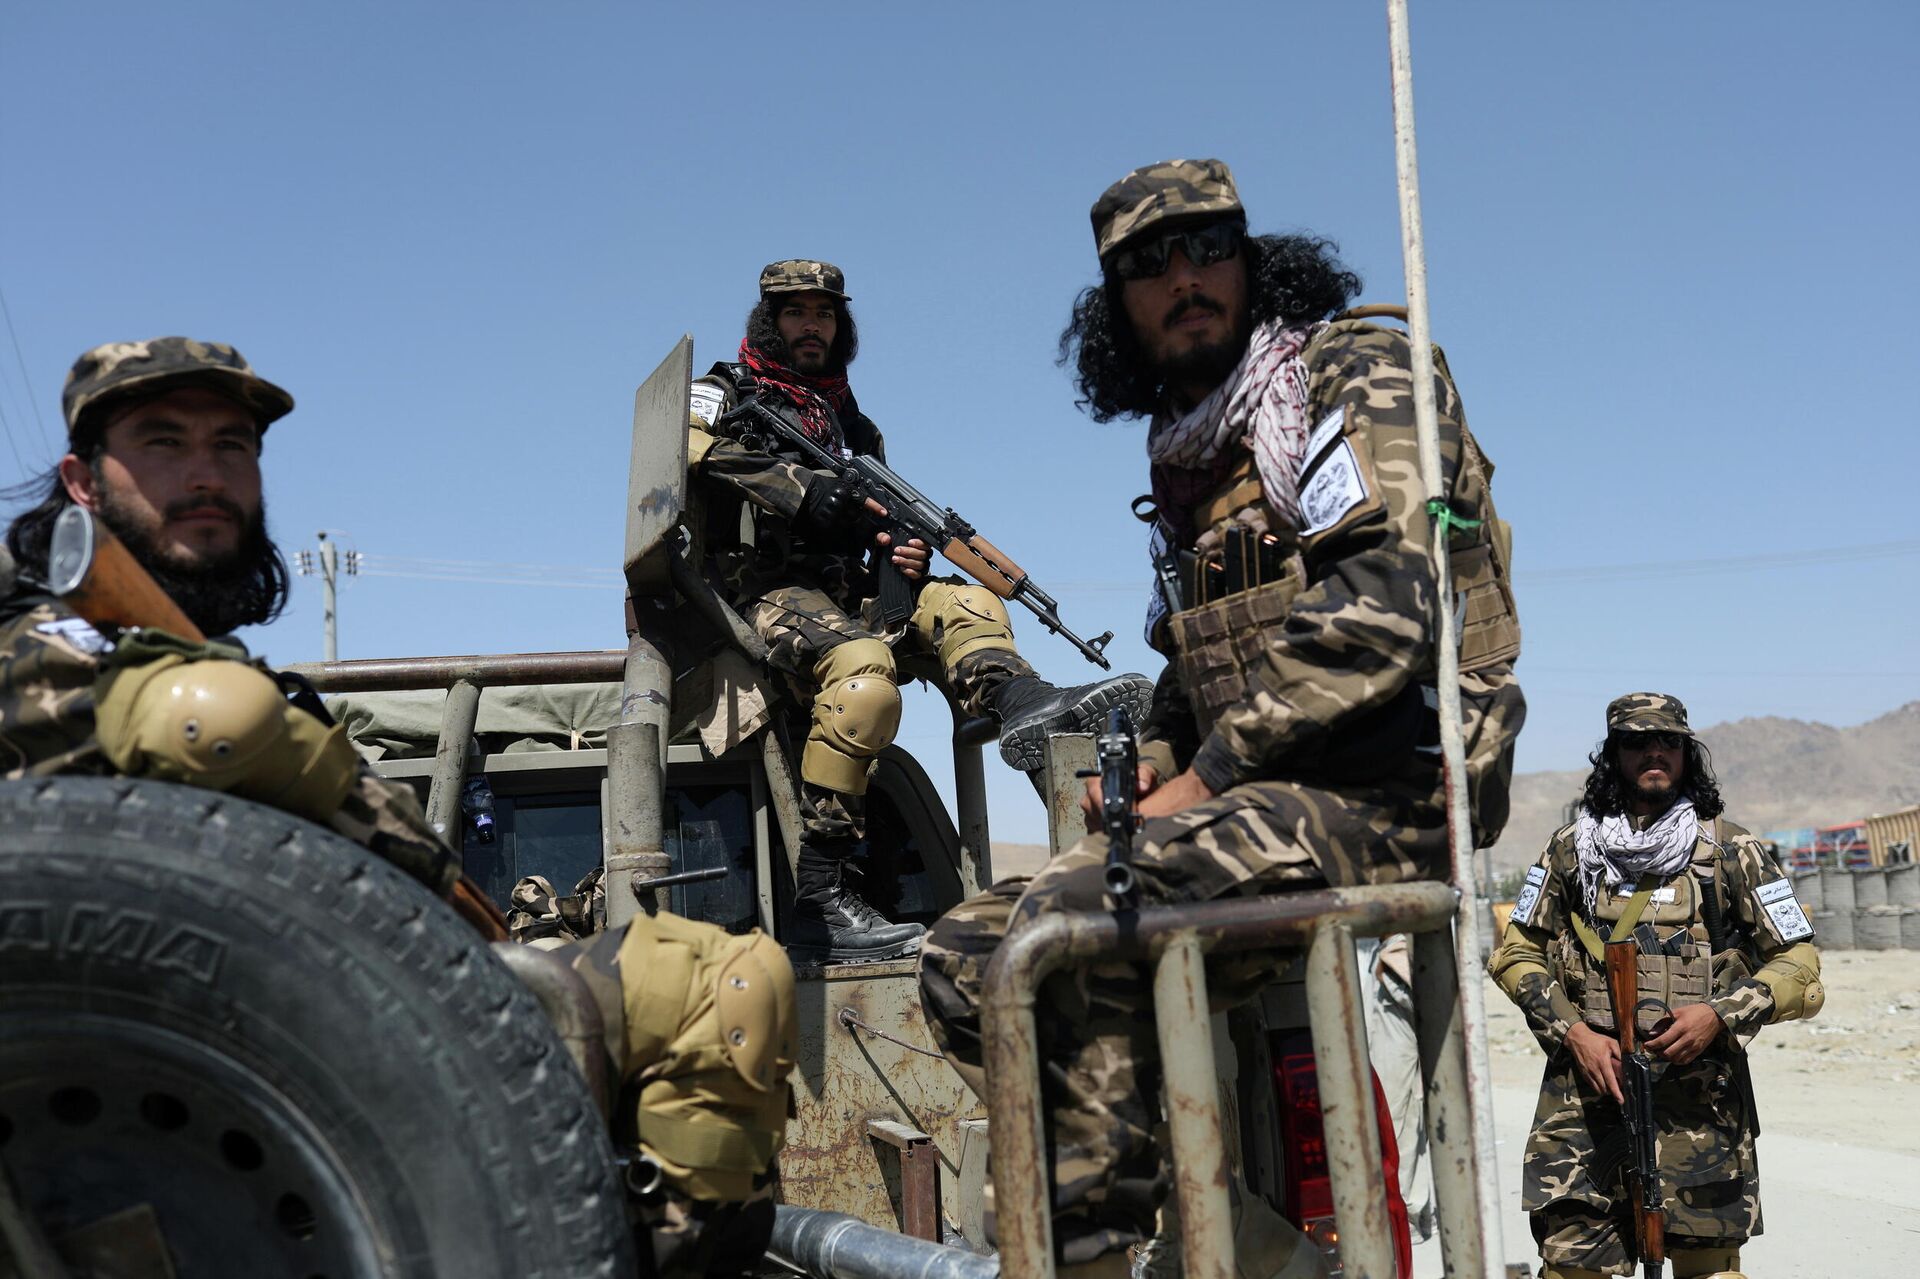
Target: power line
(26,378)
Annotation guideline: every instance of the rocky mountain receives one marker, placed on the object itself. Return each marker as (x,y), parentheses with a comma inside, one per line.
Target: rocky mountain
(1774,773)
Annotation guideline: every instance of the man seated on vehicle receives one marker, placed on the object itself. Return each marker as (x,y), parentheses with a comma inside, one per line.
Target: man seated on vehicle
(803,581)
(1293,739)
(164,441)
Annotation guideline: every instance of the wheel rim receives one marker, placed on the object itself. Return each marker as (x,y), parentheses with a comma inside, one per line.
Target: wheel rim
(100,1114)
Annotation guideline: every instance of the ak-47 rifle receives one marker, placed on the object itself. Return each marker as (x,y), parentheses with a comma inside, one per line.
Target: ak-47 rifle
(94,574)
(911,514)
(1117,755)
(1637,1068)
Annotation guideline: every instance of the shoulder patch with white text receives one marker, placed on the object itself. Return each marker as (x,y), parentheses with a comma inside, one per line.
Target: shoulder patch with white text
(1325,432)
(1529,895)
(79,632)
(707,401)
(1333,487)
(1783,908)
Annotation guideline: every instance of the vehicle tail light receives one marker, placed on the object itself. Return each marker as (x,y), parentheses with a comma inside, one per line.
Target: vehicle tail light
(1309,1190)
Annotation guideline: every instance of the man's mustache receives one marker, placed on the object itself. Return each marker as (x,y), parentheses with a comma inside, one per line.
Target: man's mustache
(1188,303)
(193,505)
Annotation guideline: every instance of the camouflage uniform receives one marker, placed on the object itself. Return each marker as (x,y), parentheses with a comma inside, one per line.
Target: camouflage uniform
(1764,970)
(54,663)
(1320,774)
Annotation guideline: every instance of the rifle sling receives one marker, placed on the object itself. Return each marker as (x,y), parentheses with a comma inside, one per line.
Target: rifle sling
(1623,927)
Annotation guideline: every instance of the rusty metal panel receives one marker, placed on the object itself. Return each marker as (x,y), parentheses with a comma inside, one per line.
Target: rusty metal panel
(848,1078)
(1067,755)
(1887,829)
(1450,1135)
(657,468)
(390,674)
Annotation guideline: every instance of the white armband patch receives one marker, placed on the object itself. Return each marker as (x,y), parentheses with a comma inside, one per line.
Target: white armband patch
(707,401)
(1324,433)
(1331,489)
(1529,896)
(1783,908)
(79,632)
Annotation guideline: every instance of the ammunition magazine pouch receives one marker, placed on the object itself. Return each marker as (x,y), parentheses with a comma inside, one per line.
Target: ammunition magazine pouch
(1221,645)
(709,1040)
(1489,624)
(1680,974)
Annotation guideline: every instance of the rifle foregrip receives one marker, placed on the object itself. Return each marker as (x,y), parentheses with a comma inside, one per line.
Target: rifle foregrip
(979,568)
(998,558)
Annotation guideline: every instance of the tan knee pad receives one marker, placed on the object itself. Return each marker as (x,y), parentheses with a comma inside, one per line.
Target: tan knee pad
(1704,1263)
(709,1040)
(855,715)
(963,620)
(224,726)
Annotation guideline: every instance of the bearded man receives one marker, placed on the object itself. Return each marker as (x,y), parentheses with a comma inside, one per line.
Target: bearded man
(1730,951)
(1293,740)
(804,577)
(164,441)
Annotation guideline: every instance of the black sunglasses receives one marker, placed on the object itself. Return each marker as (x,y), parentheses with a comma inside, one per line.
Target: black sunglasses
(1203,248)
(1647,741)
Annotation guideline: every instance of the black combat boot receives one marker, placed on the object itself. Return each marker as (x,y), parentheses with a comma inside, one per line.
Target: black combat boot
(833,924)
(1030,709)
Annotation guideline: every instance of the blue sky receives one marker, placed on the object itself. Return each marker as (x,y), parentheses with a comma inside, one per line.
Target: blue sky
(1670,246)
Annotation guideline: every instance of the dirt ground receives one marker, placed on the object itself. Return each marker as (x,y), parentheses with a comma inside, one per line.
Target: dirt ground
(1840,1141)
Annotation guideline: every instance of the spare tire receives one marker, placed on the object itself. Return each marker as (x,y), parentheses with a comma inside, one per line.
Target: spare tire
(292,1055)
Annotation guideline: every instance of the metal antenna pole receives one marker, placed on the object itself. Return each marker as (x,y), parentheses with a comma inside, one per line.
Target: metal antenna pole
(329,562)
(1466,929)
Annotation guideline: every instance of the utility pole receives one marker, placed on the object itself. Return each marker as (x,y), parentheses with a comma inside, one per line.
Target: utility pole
(329,566)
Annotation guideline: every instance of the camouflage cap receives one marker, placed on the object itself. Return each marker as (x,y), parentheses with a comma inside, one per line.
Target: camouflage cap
(1647,713)
(1158,192)
(117,369)
(802,275)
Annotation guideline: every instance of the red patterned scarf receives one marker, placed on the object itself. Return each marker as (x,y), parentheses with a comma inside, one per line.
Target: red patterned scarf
(811,395)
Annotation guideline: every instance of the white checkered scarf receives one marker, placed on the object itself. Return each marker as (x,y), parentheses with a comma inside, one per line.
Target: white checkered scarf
(1612,853)
(1264,400)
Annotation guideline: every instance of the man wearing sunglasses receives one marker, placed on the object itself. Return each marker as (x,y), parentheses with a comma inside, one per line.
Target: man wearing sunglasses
(804,579)
(1723,943)
(1293,739)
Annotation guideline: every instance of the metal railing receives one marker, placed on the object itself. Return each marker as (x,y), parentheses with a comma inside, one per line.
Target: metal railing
(1177,941)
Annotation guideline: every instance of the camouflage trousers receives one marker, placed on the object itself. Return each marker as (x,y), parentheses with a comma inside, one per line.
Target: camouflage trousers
(801,624)
(1572,1182)
(1100,1078)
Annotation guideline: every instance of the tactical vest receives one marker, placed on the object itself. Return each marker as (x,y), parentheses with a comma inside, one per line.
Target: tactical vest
(746,544)
(1219,645)
(1686,969)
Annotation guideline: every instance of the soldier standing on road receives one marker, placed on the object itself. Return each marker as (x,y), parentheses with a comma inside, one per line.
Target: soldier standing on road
(1293,739)
(804,582)
(1735,953)
(165,439)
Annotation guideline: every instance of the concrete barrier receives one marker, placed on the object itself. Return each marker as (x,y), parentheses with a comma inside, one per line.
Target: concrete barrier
(1869,888)
(1836,889)
(1833,929)
(1903,885)
(1806,886)
(1876,928)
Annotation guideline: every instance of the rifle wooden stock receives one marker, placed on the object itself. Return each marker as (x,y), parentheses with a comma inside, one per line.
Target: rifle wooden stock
(1623,990)
(978,567)
(478,910)
(107,586)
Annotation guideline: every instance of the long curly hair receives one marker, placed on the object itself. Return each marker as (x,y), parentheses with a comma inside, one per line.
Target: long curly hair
(1606,792)
(764,333)
(1292,278)
(249,591)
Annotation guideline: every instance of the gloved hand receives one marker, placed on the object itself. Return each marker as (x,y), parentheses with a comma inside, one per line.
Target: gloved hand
(831,506)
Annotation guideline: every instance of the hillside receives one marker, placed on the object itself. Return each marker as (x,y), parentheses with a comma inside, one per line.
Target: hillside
(1773,773)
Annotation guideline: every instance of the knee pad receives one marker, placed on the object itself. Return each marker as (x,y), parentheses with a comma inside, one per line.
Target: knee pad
(855,715)
(962,620)
(1704,1263)
(708,1043)
(224,726)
